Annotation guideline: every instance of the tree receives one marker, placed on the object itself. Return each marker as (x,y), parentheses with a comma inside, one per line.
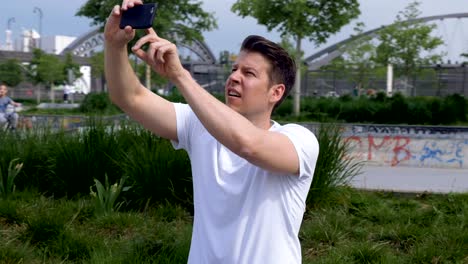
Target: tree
(97,67)
(47,70)
(405,42)
(315,20)
(357,61)
(11,73)
(71,69)
(184,18)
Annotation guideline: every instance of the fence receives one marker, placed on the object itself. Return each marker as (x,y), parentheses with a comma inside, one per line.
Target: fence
(436,81)
(440,81)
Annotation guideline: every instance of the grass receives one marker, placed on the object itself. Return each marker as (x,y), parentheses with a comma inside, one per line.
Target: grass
(361,227)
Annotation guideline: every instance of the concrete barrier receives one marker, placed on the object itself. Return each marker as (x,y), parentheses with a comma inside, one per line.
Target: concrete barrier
(410,146)
(60,122)
(407,146)
(413,151)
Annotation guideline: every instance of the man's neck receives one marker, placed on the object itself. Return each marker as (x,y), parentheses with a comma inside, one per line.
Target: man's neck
(263,122)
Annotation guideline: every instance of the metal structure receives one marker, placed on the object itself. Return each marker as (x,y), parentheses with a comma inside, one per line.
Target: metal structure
(87,44)
(326,55)
(41,15)
(10,21)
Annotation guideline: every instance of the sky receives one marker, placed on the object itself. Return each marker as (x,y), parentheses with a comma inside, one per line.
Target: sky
(58,18)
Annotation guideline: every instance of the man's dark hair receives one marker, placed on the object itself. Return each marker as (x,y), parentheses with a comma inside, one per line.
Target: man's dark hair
(283,67)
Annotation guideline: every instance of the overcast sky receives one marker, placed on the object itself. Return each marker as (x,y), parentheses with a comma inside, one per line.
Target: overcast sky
(59,19)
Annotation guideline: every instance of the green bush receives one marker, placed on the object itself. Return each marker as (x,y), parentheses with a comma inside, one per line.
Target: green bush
(381,109)
(7,181)
(98,103)
(156,172)
(76,159)
(334,167)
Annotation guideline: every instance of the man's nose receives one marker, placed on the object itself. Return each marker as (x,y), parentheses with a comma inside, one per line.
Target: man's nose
(235,76)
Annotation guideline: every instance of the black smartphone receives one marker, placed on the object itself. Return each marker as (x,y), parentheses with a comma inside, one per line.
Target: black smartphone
(139,16)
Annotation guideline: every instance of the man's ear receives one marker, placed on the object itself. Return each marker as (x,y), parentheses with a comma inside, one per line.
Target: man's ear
(276,92)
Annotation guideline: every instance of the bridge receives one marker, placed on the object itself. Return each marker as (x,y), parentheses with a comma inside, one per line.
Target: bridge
(326,55)
(93,41)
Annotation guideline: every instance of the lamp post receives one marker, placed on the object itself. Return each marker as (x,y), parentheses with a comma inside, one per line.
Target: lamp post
(9,42)
(39,12)
(10,20)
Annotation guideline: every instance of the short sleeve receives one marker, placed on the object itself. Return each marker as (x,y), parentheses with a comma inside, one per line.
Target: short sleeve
(306,145)
(184,117)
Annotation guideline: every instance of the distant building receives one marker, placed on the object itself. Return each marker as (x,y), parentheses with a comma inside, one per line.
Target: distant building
(9,41)
(28,41)
(56,44)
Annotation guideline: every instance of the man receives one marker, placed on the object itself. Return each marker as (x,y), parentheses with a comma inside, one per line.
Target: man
(7,115)
(251,175)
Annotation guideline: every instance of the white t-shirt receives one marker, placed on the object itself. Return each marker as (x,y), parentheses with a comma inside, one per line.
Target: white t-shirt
(243,213)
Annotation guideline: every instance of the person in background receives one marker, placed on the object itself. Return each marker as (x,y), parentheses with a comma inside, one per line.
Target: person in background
(7,105)
(251,175)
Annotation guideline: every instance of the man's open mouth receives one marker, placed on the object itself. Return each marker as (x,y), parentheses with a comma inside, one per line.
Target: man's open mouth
(233,93)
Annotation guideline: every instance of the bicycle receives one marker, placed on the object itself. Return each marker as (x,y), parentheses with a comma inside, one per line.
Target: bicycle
(9,119)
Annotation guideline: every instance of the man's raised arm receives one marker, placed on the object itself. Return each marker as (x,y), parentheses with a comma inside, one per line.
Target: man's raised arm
(152,111)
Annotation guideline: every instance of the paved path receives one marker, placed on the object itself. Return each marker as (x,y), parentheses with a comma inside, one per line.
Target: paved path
(411,179)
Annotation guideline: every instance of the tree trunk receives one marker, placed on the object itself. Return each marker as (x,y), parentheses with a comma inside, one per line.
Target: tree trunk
(52,93)
(297,84)
(38,94)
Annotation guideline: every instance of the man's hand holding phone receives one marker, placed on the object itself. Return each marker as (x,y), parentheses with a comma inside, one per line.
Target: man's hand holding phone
(114,36)
(139,16)
(133,14)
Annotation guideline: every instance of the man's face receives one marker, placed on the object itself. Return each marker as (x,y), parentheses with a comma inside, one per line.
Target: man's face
(3,90)
(247,89)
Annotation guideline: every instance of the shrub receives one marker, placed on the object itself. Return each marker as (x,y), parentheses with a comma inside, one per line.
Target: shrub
(106,196)
(155,170)
(76,159)
(98,103)
(7,185)
(334,167)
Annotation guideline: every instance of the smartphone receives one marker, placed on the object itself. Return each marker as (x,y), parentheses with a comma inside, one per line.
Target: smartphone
(139,16)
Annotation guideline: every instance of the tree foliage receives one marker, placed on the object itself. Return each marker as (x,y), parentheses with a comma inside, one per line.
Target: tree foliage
(357,61)
(46,69)
(70,67)
(185,18)
(49,70)
(315,20)
(11,72)
(97,64)
(406,42)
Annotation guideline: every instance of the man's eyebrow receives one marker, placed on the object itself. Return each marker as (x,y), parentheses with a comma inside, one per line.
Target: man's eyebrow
(251,68)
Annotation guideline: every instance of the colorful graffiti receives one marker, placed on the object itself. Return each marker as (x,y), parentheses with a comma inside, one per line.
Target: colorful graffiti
(409,151)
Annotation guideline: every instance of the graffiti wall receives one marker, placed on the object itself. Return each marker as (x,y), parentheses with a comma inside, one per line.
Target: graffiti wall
(388,150)
(404,145)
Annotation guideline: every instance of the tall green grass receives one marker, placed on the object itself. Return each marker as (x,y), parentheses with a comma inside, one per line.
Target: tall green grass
(335,167)
(65,164)
(360,228)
